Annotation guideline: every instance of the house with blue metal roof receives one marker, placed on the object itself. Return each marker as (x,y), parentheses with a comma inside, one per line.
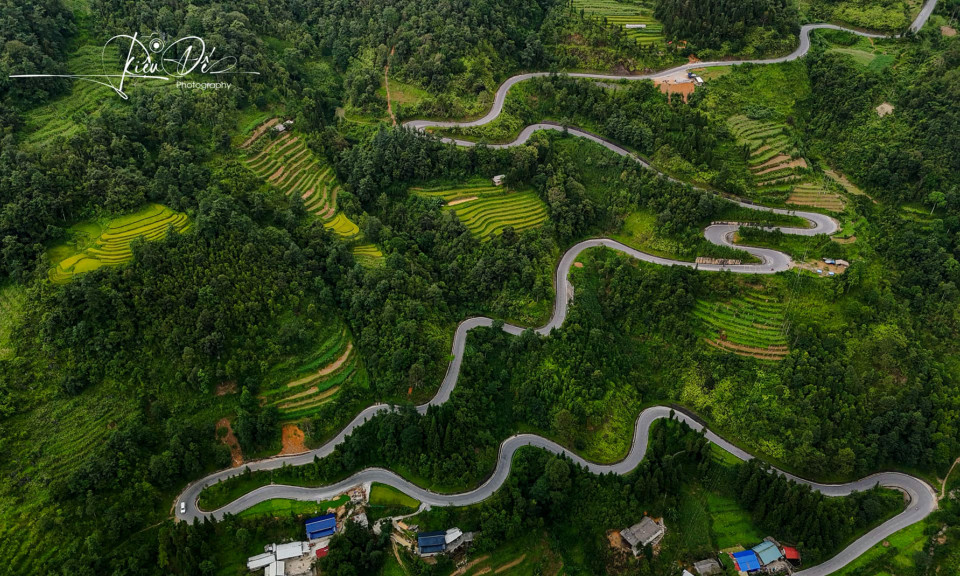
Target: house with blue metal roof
(746,560)
(321,526)
(767,552)
(430,543)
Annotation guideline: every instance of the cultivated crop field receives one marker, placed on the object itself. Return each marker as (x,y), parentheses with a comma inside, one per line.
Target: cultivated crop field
(623,14)
(750,325)
(93,245)
(777,168)
(368,255)
(332,366)
(285,161)
(60,117)
(487,210)
(12,299)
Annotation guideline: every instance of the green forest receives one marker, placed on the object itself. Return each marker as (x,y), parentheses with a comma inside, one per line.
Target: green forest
(168,311)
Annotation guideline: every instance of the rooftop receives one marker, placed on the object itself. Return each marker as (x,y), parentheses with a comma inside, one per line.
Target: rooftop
(642,533)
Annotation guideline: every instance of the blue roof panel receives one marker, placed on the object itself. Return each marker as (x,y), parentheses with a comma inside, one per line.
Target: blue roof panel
(431,538)
(321,526)
(746,560)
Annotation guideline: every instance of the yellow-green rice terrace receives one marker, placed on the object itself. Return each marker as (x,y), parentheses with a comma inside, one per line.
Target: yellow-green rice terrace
(95,244)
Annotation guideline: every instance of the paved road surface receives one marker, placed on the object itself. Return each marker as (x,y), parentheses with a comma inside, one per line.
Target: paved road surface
(921,497)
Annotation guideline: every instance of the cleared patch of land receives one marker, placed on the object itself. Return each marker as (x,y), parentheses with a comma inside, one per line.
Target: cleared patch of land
(317,381)
(487,210)
(749,325)
(779,171)
(285,161)
(637,21)
(93,245)
(13,297)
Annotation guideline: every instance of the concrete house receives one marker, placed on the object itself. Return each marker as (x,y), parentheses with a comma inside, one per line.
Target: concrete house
(647,532)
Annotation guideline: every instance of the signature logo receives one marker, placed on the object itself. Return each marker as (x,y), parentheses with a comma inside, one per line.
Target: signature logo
(153,60)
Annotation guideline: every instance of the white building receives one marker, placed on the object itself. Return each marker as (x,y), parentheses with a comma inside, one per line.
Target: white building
(498,179)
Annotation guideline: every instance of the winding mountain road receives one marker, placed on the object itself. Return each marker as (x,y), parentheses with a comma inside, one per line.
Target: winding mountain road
(921,498)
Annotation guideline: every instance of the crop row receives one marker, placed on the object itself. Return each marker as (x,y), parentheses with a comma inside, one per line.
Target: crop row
(491,215)
(288,164)
(112,246)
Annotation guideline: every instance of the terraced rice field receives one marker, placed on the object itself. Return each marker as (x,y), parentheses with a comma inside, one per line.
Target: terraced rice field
(488,210)
(53,441)
(285,161)
(777,168)
(623,15)
(57,118)
(335,364)
(12,300)
(368,255)
(750,325)
(93,246)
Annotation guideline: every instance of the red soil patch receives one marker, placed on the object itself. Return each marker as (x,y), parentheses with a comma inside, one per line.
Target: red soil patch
(948,31)
(259,131)
(684,89)
(276,174)
(578,264)
(230,439)
(294,441)
(228,387)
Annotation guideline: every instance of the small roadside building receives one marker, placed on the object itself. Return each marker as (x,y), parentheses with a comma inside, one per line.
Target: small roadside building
(767,552)
(321,526)
(792,554)
(708,567)
(746,561)
(647,532)
(498,179)
(431,543)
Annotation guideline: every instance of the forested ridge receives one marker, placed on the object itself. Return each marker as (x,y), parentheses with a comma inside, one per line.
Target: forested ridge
(113,385)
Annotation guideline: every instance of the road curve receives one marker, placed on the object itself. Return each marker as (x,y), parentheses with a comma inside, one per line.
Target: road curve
(920,496)
(800,52)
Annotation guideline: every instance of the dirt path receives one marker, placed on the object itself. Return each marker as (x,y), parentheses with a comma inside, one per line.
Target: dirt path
(294,441)
(463,569)
(396,554)
(462,200)
(230,439)
(386,83)
(943,486)
(510,565)
(259,132)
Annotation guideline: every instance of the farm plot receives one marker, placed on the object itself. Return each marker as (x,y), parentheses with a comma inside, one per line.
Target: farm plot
(368,255)
(60,117)
(334,365)
(285,161)
(488,210)
(777,168)
(12,300)
(751,325)
(93,246)
(636,20)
